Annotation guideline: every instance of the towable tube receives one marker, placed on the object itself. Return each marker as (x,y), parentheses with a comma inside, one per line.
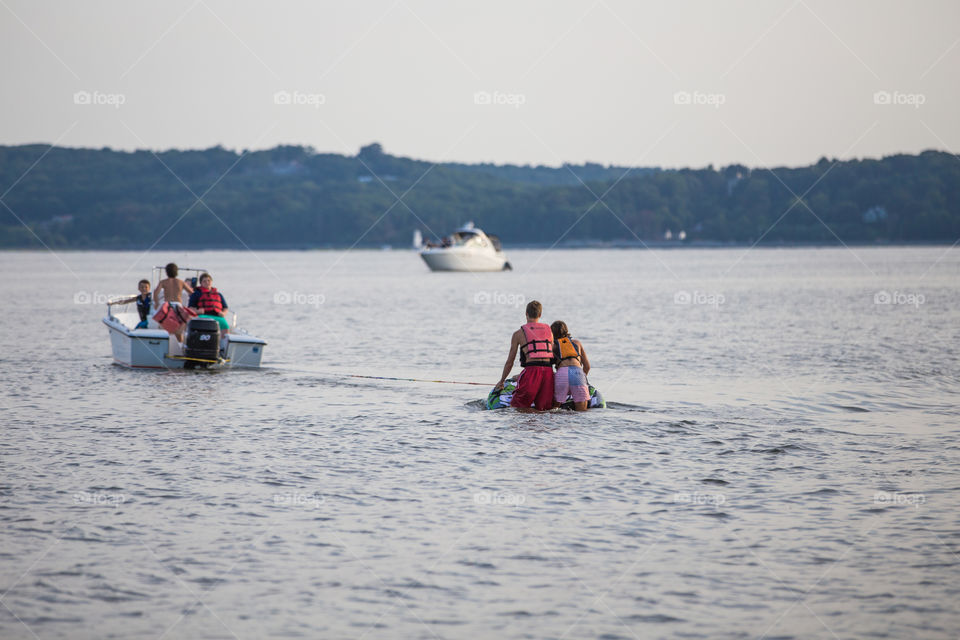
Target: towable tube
(501,399)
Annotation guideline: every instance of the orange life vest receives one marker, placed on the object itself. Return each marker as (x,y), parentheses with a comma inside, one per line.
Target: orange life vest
(566,348)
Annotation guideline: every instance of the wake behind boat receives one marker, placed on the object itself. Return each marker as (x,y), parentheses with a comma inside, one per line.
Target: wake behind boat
(154,347)
(467,249)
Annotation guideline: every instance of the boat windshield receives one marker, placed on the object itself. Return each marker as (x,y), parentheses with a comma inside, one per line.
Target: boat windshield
(468,239)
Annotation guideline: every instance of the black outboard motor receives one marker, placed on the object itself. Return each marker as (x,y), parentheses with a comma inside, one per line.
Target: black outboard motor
(203,339)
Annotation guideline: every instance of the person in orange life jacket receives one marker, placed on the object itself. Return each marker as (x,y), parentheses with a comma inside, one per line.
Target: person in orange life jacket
(143,302)
(209,302)
(572,368)
(534,341)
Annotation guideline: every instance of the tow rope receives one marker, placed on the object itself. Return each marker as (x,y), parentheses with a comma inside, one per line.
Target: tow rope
(479,384)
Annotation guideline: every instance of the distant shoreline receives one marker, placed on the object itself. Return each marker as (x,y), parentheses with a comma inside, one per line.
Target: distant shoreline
(292,198)
(578,246)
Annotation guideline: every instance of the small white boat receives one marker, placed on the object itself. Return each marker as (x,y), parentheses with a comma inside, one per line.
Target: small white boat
(155,348)
(467,249)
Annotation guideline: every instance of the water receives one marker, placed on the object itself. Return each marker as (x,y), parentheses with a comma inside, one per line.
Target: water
(783,462)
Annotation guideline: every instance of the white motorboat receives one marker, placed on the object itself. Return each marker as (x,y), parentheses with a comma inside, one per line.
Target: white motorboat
(467,249)
(155,348)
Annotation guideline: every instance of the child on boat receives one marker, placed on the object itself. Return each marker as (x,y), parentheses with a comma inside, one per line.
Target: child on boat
(572,368)
(144,300)
(172,289)
(209,302)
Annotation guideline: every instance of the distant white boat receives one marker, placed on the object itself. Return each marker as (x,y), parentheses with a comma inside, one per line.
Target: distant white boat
(417,239)
(467,249)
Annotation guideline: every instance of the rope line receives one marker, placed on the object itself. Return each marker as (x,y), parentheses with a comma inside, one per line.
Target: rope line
(479,384)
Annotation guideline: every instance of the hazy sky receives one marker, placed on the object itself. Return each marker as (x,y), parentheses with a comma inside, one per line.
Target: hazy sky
(616,82)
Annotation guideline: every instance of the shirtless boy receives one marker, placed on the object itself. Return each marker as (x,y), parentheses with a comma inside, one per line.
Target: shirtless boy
(172,288)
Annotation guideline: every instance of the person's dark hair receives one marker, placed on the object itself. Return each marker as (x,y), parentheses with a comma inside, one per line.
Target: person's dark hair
(559,329)
(204,275)
(144,281)
(172,270)
(534,309)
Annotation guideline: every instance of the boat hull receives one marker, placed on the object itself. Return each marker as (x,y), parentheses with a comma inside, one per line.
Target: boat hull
(455,259)
(152,348)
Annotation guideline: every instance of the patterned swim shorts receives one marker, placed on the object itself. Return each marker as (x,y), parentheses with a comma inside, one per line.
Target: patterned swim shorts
(570,381)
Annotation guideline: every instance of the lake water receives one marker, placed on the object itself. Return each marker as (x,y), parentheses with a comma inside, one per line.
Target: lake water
(782,461)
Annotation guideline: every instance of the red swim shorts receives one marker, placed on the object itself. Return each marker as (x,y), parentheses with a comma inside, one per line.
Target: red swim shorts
(534,387)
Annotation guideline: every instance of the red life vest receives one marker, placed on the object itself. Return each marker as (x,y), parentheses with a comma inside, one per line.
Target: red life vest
(173,316)
(538,346)
(210,301)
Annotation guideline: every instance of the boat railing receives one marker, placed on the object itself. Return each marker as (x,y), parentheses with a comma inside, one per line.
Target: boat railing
(119,301)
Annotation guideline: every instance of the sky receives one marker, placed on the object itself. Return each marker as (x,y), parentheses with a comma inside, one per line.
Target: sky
(671,84)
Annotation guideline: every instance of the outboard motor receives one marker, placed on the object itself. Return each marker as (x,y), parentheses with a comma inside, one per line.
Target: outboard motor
(203,339)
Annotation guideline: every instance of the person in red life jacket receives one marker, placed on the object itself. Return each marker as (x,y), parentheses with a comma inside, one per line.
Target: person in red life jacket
(572,368)
(534,341)
(209,302)
(170,290)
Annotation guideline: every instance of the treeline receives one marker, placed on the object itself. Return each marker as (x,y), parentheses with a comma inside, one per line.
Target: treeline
(291,196)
